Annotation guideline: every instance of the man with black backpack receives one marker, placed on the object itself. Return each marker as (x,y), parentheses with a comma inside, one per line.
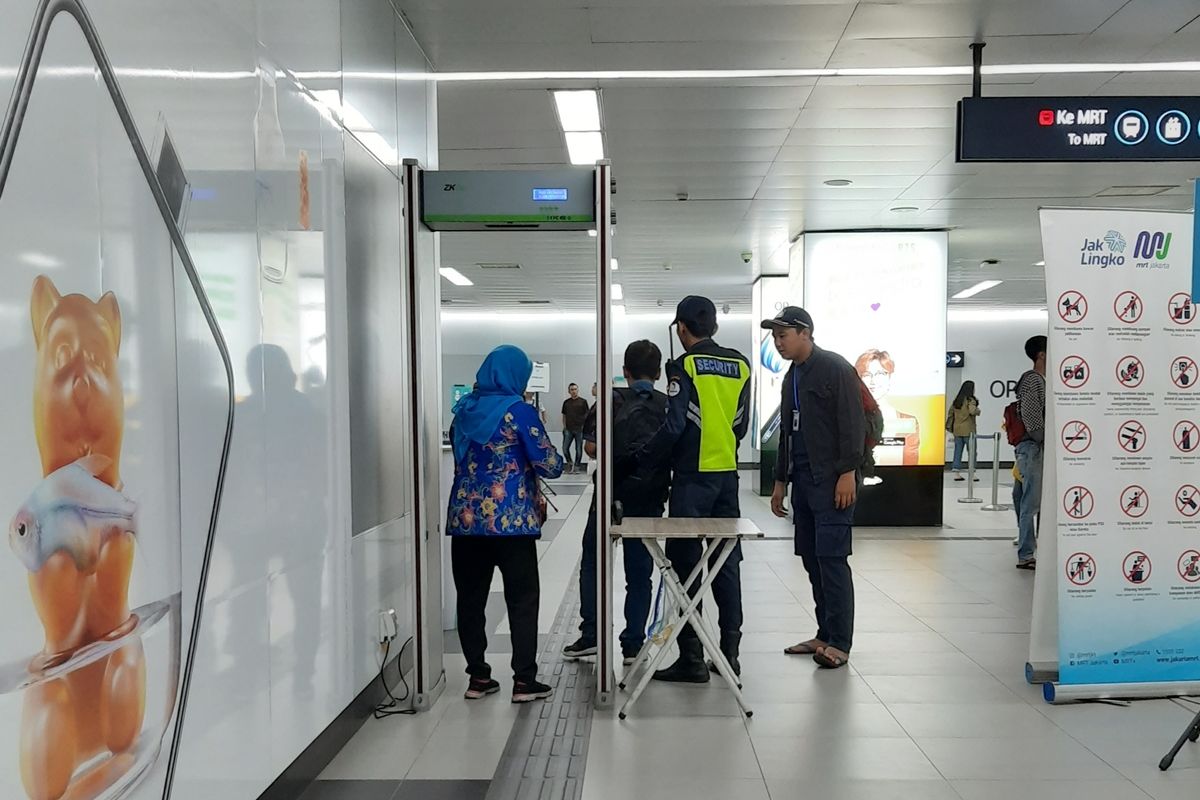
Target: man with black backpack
(641,484)
(823,446)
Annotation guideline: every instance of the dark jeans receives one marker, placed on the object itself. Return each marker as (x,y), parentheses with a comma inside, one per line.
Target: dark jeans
(474,560)
(823,535)
(638,568)
(577,438)
(713,494)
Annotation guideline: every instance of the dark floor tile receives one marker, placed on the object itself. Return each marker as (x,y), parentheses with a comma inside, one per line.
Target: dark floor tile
(443,790)
(351,790)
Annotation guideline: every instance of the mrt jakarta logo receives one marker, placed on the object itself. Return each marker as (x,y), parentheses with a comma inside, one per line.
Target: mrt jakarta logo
(1103,252)
(1152,245)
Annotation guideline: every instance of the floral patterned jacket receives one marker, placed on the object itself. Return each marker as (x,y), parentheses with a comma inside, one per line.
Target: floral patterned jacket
(495,486)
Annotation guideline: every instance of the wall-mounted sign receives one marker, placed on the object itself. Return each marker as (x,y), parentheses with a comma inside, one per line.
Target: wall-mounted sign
(956,359)
(539,381)
(1079,129)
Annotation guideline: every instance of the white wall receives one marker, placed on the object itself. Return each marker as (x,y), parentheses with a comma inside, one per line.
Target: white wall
(287,639)
(994,343)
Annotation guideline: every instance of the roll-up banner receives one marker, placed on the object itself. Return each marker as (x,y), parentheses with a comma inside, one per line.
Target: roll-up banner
(1120,462)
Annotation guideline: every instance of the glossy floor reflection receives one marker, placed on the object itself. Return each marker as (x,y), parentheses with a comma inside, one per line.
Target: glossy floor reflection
(933,704)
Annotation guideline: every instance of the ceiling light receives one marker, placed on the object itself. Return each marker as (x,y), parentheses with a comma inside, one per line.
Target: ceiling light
(1039,263)
(455,277)
(617,292)
(905,209)
(618,310)
(982,286)
(614,265)
(578,110)
(585,147)
(838,182)
(40,260)
(592,233)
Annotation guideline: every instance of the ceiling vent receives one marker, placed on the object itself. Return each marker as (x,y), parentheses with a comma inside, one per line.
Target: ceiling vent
(534,302)
(498,266)
(1134,191)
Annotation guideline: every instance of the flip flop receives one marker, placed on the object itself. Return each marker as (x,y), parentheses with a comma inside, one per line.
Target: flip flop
(809,648)
(831,658)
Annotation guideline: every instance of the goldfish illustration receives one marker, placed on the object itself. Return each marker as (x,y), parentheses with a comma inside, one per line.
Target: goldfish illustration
(73,511)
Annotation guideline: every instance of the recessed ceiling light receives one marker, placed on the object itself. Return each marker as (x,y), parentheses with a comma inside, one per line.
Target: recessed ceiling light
(578,110)
(838,182)
(592,233)
(982,286)
(1039,263)
(614,265)
(455,277)
(617,292)
(904,209)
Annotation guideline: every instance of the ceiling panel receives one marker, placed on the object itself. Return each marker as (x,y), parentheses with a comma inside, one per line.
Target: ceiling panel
(756,23)
(969,19)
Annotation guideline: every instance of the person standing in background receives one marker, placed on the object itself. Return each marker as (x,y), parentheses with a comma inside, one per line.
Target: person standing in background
(495,517)
(961,424)
(1031,403)
(821,451)
(574,415)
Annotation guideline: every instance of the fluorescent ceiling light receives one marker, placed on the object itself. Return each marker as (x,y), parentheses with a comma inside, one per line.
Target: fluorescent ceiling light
(982,286)
(592,233)
(578,111)
(619,310)
(455,277)
(585,148)
(1039,263)
(614,265)
(617,292)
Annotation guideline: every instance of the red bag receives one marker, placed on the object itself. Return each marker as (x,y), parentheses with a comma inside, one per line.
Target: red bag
(1013,425)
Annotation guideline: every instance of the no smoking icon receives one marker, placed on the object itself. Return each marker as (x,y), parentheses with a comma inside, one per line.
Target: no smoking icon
(1187,436)
(1184,372)
(1189,566)
(1130,372)
(1187,500)
(1078,502)
(1081,569)
(1128,307)
(1076,437)
(1074,371)
(1134,501)
(1072,307)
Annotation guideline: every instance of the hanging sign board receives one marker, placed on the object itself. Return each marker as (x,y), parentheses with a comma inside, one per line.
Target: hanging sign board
(1079,129)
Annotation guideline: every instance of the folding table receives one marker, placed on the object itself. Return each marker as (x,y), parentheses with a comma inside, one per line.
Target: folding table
(720,536)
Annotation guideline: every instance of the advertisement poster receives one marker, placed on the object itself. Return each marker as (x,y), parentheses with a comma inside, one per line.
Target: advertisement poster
(90,579)
(770,294)
(879,300)
(1121,462)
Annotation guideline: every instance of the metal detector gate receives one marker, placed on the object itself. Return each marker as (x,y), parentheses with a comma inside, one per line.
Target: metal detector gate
(576,198)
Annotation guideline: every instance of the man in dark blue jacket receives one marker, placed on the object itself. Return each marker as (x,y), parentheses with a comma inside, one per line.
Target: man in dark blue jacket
(822,439)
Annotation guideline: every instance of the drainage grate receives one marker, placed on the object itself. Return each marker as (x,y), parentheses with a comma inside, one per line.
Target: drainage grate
(547,748)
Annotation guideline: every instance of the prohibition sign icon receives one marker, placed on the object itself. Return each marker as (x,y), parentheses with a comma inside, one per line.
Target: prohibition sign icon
(1081,569)
(1187,500)
(1136,567)
(1186,436)
(1076,437)
(1128,307)
(1132,436)
(1072,307)
(1135,502)
(1181,309)
(1078,502)
(1075,372)
(1184,372)
(1130,372)
(1189,566)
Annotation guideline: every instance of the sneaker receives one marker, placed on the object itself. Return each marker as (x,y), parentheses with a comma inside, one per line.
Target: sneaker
(1027,564)
(628,657)
(580,648)
(481,687)
(1017,542)
(959,478)
(528,691)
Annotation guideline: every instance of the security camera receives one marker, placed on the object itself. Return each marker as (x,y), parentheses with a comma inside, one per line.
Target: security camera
(747,257)
(725,308)
(989,262)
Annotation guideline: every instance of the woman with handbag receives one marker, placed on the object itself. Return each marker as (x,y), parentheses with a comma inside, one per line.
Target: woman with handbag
(961,424)
(496,514)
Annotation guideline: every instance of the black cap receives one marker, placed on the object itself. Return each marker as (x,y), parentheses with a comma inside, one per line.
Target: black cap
(790,317)
(698,313)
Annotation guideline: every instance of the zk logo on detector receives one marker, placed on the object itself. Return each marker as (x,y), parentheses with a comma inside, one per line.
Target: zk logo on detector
(1107,251)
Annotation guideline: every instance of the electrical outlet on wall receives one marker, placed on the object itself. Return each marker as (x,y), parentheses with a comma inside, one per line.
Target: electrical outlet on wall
(389,626)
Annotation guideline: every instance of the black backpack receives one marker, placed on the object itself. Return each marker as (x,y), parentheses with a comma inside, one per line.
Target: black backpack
(638,479)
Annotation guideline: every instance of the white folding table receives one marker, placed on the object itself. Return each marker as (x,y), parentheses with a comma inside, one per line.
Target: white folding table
(720,536)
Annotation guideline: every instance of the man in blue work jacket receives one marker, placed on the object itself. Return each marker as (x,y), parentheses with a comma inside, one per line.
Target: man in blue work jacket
(708,414)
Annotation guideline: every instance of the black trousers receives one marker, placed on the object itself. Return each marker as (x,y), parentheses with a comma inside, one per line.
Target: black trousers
(708,495)
(823,542)
(474,560)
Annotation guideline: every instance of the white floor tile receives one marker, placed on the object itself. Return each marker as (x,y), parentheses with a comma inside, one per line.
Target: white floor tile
(454,755)
(1048,790)
(1058,758)
(836,759)
(973,690)
(972,721)
(840,720)
(646,747)
(814,787)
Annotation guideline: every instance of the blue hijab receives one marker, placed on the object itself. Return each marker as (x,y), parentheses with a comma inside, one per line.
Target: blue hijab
(499,384)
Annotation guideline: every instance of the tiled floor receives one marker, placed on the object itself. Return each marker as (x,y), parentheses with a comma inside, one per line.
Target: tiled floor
(933,705)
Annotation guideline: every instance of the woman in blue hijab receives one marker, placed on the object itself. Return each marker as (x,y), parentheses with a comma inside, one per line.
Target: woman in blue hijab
(496,514)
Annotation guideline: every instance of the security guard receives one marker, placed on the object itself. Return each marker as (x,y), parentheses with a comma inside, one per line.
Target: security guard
(707,416)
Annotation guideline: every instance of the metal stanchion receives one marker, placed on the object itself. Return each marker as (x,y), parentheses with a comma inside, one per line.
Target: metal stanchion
(970,498)
(996,505)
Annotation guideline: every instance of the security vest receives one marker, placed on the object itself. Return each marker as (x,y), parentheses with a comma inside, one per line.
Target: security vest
(709,394)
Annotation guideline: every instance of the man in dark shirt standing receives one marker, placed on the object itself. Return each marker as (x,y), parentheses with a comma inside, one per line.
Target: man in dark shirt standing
(822,439)
(1031,403)
(574,414)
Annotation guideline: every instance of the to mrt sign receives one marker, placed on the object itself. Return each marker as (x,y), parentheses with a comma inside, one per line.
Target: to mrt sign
(1084,116)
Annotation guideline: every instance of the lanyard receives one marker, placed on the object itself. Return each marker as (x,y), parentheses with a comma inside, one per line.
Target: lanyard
(796,389)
